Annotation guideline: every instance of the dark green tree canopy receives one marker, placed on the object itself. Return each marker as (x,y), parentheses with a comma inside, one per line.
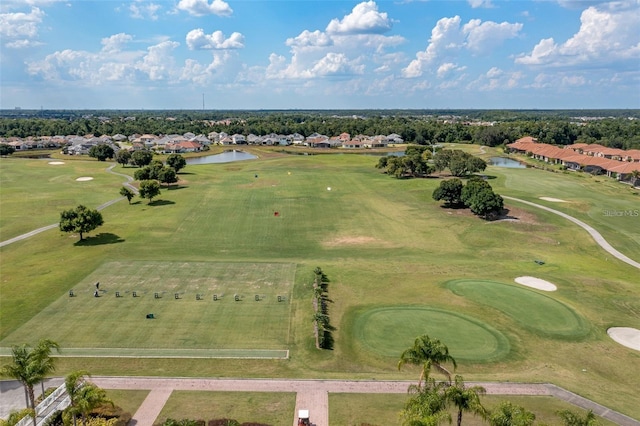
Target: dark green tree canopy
(101,152)
(6,149)
(450,190)
(127,193)
(167,175)
(141,158)
(123,157)
(149,189)
(80,220)
(176,162)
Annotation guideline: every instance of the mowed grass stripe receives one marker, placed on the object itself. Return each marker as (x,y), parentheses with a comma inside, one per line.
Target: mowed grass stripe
(85,321)
(536,312)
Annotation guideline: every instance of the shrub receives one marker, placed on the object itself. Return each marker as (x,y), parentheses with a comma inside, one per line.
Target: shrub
(223,422)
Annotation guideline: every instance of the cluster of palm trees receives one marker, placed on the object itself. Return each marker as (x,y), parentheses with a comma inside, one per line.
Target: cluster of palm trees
(32,364)
(429,400)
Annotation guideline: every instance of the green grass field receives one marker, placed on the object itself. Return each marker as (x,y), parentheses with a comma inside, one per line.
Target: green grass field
(268,408)
(535,311)
(390,330)
(382,242)
(187,320)
(384,409)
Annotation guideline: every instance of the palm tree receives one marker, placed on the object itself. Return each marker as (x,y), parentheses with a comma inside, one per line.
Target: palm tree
(426,406)
(427,352)
(30,366)
(509,414)
(465,399)
(84,395)
(569,418)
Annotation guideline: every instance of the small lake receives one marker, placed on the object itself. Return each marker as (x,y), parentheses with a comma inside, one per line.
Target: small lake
(225,157)
(506,162)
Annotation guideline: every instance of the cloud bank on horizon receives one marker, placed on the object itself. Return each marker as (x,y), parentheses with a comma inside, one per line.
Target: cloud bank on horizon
(263,54)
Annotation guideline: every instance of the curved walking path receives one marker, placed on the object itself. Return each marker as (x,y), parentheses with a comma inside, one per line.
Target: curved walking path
(594,234)
(127,183)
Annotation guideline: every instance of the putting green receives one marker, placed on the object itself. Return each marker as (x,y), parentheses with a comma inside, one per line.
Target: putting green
(390,330)
(534,311)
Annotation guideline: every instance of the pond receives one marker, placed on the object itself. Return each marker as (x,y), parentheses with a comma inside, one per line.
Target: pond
(506,162)
(225,157)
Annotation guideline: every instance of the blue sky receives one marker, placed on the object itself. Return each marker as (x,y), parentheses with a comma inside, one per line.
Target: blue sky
(308,54)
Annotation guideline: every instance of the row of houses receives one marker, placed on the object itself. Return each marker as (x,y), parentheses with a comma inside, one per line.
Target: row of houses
(591,158)
(189,142)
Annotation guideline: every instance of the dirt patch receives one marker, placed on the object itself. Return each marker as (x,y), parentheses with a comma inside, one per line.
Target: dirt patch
(352,241)
(553,200)
(536,283)
(517,215)
(84,178)
(626,336)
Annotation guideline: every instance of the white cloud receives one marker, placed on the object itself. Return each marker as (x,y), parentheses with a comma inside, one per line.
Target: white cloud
(446,69)
(111,63)
(336,63)
(158,63)
(141,10)
(198,40)
(20,29)
(347,47)
(115,42)
(311,39)
(363,19)
(483,37)
(448,38)
(480,3)
(608,33)
(203,75)
(497,79)
(202,7)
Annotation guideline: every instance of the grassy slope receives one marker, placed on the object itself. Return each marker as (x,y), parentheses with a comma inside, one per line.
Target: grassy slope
(381,241)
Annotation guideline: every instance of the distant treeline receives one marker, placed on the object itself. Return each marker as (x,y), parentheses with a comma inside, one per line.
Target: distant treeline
(613,128)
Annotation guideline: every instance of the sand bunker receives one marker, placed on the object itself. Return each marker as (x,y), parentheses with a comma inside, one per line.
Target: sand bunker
(56,163)
(536,283)
(555,200)
(84,178)
(626,336)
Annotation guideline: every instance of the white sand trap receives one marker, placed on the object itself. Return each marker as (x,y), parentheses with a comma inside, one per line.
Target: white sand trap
(84,178)
(56,163)
(536,283)
(626,336)
(555,200)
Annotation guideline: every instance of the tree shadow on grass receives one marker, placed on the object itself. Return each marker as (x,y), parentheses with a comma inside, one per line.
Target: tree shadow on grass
(161,203)
(100,239)
(174,187)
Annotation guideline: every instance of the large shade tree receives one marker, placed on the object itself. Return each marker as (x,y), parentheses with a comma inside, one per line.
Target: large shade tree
(428,352)
(149,189)
(80,220)
(30,365)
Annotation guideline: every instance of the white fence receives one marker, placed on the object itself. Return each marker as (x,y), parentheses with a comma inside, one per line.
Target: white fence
(57,401)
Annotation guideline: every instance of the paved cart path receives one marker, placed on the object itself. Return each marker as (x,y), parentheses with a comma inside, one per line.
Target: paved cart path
(310,394)
(126,183)
(594,234)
